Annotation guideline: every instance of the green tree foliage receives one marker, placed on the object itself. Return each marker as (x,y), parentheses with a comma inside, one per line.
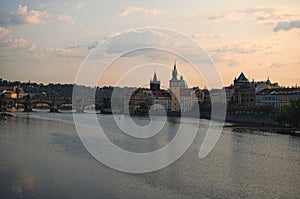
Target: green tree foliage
(290,114)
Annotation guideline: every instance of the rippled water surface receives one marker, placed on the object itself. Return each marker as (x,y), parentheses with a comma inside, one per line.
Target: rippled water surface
(41,156)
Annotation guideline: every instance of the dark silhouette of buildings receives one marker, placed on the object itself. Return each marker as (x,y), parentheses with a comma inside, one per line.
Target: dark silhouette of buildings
(154,84)
(244,91)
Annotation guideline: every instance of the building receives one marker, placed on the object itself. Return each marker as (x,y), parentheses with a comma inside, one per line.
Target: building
(174,86)
(206,98)
(217,96)
(182,98)
(158,96)
(13,92)
(154,84)
(186,99)
(178,98)
(277,97)
(197,95)
(295,95)
(162,98)
(244,91)
(136,101)
(229,90)
(268,97)
(259,86)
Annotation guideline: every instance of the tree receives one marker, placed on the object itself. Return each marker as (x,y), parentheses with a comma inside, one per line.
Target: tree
(290,114)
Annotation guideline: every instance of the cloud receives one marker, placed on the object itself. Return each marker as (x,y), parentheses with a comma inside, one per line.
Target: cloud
(32,48)
(237,54)
(233,63)
(236,48)
(14,43)
(286,25)
(7,42)
(228,59)
(210,36)
(276,65)
(67,18)
(228,16)
(4,32)
(62,52)
(133,9)
(262,15)
(23,16)
(136,39)
(88,46)
(145,43)
(74,47)
(79,6)
(93,45)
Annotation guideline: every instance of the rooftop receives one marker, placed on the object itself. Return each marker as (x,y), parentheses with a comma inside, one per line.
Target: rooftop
(279,91)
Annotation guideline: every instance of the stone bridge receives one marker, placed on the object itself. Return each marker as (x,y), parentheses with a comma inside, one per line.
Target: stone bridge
(54,104)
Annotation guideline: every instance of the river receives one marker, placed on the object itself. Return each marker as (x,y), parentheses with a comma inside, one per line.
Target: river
(41,156)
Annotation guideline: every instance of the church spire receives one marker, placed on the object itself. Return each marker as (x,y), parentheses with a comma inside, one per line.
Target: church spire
(154,84)
(175,65)
(268,81)
(154,77)
(174,72)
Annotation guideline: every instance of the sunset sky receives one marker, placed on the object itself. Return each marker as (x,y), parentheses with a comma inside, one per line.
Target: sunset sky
(46,41)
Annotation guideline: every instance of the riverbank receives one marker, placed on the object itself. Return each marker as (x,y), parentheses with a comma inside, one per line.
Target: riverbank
(259,127)
(238,122)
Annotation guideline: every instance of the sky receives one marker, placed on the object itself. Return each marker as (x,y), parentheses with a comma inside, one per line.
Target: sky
(48,41)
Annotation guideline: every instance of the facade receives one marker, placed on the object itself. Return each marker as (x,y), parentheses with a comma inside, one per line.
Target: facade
(277,97)
(158,96)
(10,94)
(136,101)
(216,95)
(206,93)
(154,84)
(162,98)
(182,98)
(186,100)
(13,92)
(295,95)
(197,95)
(229,90)
(244,91)
(174,86)
(178,98)
(268,97)
(259,86)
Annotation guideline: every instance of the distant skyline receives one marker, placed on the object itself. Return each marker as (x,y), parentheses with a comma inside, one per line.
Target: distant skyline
(46,41)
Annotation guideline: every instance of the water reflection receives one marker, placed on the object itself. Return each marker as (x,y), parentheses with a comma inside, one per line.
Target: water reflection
(25,183)
(44,158)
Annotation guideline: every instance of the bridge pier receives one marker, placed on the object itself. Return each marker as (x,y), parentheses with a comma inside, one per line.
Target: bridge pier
(27,107)
(3,104)
(80,109)
(78,105)
(53,108)
(3,108)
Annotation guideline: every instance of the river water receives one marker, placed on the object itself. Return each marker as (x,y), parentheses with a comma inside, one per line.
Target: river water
(41,156)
